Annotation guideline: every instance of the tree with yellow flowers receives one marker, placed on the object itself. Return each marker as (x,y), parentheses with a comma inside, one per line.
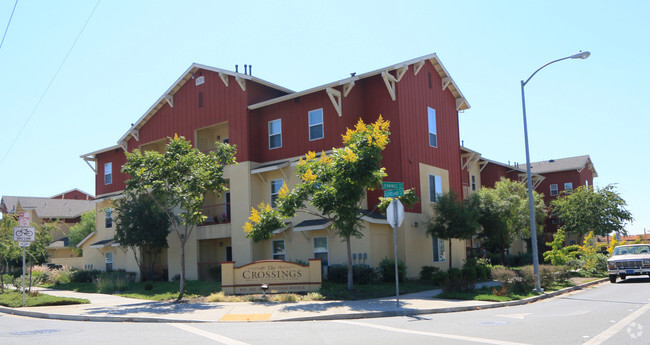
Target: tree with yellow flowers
(335,185)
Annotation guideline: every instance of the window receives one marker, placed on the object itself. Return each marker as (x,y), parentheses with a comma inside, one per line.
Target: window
(435,187)
(438,250)
(275,134)
(433,130)
(276,185)
(553,189)
(473,182)
(320,250)
(108,173)
(316,124)
(109,261)
(587,183)
(278,250)
(568,187)
(109,217)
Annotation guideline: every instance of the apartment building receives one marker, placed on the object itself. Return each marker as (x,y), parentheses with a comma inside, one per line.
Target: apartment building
(272,128)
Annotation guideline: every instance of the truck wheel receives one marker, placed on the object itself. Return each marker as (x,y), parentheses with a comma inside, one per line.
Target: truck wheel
(623,276)
(612,278)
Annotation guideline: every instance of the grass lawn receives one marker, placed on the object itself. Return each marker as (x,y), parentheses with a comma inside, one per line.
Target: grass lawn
(197,289)
(160,290)
(14,299)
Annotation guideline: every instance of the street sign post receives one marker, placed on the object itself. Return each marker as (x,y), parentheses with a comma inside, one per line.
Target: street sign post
(395,217)
(24,235)
(392,189)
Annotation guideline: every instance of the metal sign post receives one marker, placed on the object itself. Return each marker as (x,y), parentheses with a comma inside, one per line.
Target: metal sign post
(395,217)
(24,235)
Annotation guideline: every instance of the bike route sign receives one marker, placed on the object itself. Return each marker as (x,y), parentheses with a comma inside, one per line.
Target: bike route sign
(24,234)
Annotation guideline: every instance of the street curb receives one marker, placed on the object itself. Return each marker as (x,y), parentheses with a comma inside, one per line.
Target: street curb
(346,316)
(411,312)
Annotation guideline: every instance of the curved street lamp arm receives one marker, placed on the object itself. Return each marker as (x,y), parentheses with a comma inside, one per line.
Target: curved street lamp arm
(580,55)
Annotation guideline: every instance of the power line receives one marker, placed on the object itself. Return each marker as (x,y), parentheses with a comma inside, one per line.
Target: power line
(7,29)
(48,85)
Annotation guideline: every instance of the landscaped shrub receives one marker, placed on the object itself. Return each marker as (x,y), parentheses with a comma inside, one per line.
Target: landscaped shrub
(60,276)
(454,273)
(426,273)
(469,273)
(439,278)
(112,281)
(362,274)
(85,276)
(481,266)
(337,273)
(387,270)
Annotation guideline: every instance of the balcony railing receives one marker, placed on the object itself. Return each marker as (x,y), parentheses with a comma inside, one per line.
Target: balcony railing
(217,214)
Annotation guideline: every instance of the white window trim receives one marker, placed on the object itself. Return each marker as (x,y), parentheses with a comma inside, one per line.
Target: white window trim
(284,249)
(313,244)
(569,184)
(274,134)
(108,171)
(107,259)
(321,123)
(277,193)
(473,182)
(441,244)
(437,181)
(108,213)
(553,189)
(431,111)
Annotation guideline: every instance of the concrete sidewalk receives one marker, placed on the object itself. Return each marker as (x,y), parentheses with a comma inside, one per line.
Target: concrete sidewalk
(120,309)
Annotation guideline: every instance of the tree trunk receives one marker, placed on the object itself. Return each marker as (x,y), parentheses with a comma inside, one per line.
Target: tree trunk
(503,250)
(30,277)
(2,280)
(350,267)
(450,253)
(182,286)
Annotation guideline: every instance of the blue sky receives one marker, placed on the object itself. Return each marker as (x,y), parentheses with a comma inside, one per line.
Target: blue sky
(132,51)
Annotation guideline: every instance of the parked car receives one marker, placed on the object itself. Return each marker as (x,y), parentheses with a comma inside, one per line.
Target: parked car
(629,260)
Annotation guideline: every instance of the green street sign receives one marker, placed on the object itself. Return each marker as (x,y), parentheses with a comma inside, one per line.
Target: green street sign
(393,193)
(392,185)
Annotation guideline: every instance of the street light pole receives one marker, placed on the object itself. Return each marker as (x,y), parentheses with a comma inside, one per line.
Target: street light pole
(531,202)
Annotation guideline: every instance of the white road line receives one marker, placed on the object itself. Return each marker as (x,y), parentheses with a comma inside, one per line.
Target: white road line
(431,334)
(617,327)
(209,335)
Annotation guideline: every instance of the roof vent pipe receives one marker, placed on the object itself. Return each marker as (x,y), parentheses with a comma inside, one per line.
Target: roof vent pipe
(236,68)
(250,70)
(245,69)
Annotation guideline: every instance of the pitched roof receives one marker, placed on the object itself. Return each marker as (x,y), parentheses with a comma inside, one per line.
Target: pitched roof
(189,73)
(563,164)
(46,207)
(461,101)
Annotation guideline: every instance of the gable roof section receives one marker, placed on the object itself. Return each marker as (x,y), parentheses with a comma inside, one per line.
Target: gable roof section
(48,208)
(461,102)
(178,84)
(564,164)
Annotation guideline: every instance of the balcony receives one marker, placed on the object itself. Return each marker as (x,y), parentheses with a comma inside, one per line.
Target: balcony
(208,136)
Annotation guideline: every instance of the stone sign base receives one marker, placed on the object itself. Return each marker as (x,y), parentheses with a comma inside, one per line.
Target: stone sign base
(279,276)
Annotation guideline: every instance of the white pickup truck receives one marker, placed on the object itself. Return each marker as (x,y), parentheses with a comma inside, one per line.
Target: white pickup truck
(629,260)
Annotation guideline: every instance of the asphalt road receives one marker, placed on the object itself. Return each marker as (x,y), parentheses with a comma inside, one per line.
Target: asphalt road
(606,314)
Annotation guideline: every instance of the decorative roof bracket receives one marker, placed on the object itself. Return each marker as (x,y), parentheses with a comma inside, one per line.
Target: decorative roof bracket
(459,103)
(389,80)
(445,82)
(347,88)
(241,82)
(417,67)
(170,100)
(335,97)
(136,134)
(224,78)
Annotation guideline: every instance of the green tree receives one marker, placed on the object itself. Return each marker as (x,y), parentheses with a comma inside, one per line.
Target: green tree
(9,250)
(559,253)
(334,185)
(454,218)
(142,226)
(587,209)
(505,213)
(177,181)
(81,230)
(36,253)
